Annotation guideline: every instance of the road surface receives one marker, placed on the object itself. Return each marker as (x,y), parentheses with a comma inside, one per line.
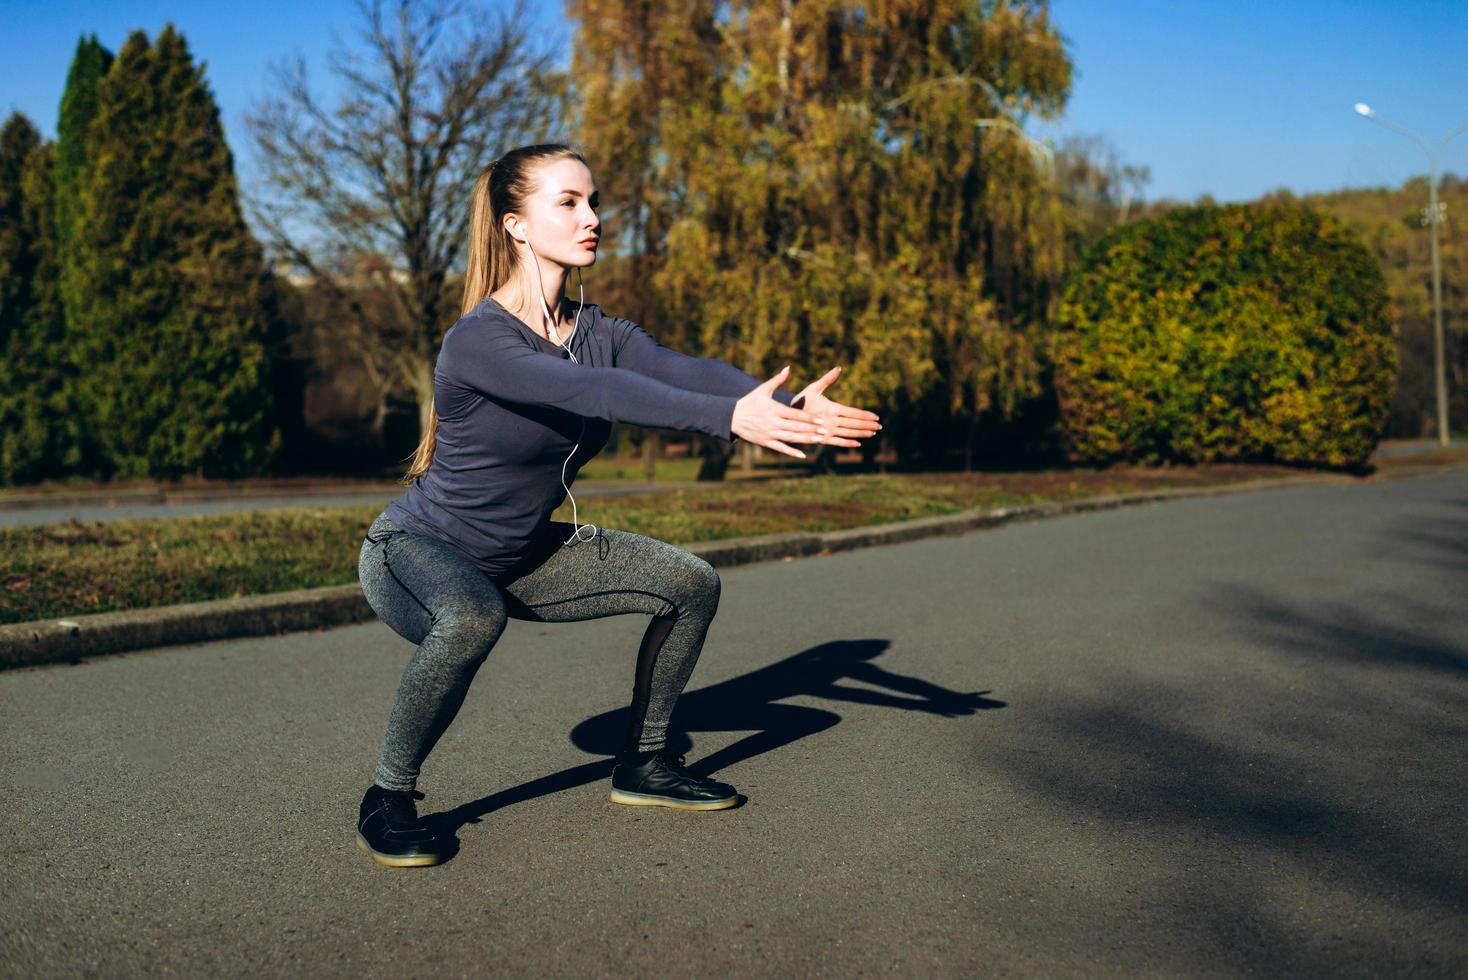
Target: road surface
(1214,736)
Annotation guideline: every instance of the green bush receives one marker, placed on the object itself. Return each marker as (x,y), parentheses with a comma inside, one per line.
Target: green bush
(1226,333)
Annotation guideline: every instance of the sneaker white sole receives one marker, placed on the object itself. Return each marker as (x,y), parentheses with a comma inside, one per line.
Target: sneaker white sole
(645,799)
(397,861)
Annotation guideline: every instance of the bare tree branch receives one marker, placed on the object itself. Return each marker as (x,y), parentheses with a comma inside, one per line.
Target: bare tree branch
(369,197)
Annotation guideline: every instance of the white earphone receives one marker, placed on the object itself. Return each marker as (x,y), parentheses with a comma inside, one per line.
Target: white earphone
(565,346)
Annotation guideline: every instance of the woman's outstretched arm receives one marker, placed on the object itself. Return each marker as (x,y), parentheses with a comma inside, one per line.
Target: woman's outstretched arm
(489,357)
(636,350)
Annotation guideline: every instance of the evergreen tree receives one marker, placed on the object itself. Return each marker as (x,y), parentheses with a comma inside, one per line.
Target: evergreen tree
(75,452)
(73,151)
(1245,333)
(170,328)
(18,140)
(37,431)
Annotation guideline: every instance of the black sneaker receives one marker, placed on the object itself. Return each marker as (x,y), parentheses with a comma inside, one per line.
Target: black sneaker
(661,780)
(389,828)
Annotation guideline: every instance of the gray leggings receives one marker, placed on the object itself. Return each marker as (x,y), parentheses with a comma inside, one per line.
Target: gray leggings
(432,595)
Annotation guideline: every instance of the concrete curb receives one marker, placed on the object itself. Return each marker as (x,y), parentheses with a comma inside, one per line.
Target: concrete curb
(67,640)
(59,640)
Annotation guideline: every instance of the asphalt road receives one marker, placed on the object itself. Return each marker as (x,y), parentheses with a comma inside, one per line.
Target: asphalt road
(1216,736)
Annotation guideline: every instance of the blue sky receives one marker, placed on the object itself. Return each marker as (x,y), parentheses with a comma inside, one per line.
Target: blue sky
(1231,98)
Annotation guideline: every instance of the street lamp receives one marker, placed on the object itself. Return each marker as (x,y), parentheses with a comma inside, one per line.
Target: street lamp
(1432,216)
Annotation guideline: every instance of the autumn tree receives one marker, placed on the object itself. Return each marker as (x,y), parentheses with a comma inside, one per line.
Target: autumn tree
(759,260)
(640,67)
(975,199)
(1391,220)
(836,187)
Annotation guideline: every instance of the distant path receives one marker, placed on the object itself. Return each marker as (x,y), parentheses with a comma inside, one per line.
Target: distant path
(1417,447)
(100,506)
(1211,737)
(30,516)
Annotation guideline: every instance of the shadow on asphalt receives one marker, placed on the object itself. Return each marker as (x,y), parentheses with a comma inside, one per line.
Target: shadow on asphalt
(1421,634)
(1321,778)
(1441,543)
(746,704)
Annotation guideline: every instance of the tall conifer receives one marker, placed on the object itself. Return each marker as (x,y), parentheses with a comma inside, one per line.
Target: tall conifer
(37,431)
(73,150)
(170,326)
(18,140)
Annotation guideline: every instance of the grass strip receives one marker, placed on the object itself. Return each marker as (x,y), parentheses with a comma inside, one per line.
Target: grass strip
(603,468)
(79,567)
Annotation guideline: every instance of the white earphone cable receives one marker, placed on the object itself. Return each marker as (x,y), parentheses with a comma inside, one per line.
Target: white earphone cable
(576,534)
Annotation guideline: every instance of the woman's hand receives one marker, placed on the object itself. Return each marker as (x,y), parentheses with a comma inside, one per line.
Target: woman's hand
(765,422)
(842,423)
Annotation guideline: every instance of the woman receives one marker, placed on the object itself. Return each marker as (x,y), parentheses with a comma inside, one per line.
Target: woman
(523,397)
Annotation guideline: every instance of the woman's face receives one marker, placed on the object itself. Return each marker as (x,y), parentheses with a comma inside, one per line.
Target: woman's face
(560,218)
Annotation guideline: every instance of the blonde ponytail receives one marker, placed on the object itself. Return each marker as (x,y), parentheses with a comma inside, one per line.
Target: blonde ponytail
(504,186)
(479,273)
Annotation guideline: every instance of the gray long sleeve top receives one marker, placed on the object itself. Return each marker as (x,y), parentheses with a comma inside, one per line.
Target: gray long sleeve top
(511,405)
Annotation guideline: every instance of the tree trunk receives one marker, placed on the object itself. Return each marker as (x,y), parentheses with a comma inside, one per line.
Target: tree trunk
(649,455)
(824,462)
(423,390)
(425,408)
(715,455)
(746,457)
(379,425)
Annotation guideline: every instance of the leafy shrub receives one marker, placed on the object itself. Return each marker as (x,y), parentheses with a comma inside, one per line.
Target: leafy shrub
(1226,333)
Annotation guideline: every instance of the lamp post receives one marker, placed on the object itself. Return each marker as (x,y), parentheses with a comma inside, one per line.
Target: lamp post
(1432,216)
